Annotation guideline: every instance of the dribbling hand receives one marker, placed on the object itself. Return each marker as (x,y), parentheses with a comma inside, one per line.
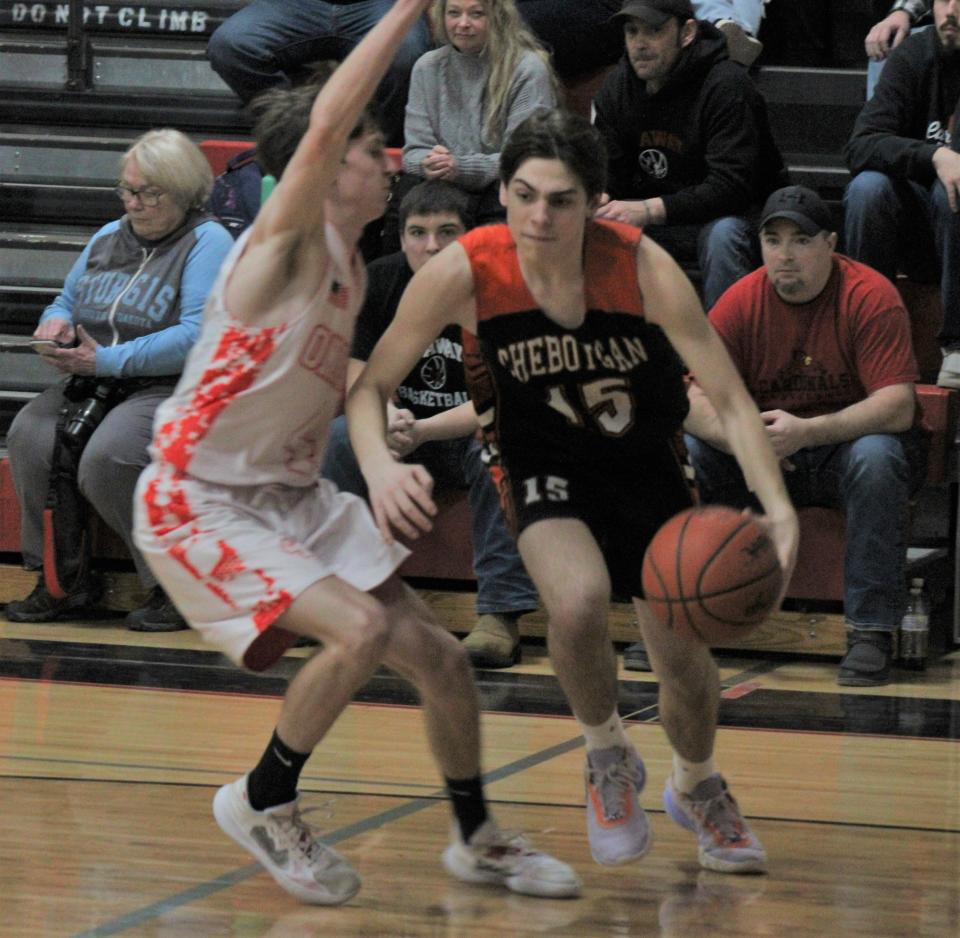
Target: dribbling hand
(401,497)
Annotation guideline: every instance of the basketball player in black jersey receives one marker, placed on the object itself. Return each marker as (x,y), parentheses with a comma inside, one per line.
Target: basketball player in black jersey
(573,328)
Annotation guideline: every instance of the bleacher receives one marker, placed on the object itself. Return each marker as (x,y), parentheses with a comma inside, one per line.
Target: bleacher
(76,90)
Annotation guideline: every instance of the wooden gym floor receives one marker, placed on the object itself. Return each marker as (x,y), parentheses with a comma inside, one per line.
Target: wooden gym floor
(113,743)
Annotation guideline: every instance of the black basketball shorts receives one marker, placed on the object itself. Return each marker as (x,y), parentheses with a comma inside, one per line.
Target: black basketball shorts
(623,505)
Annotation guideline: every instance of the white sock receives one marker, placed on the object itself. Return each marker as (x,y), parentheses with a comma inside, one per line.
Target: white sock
(605,735)
(687,775)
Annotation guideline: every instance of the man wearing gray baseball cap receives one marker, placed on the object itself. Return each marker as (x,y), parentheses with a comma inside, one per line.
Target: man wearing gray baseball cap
(822,343)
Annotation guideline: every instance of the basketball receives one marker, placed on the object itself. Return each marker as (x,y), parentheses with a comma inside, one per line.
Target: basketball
(711,574)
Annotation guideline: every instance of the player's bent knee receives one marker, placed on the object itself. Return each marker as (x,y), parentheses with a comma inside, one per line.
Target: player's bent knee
(579,621)
(366,630)
(441,663)
(674,652)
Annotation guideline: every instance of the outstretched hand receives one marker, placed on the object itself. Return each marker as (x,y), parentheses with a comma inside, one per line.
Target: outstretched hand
(401,497)
(785,535)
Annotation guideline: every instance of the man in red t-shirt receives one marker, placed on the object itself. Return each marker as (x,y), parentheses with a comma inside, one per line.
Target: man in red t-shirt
(823,345)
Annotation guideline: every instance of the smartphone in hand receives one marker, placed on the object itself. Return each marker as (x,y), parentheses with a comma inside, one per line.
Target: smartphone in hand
(42,345)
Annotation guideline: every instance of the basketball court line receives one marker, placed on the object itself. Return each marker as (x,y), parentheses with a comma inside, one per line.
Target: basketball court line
(201,891)
(414,806)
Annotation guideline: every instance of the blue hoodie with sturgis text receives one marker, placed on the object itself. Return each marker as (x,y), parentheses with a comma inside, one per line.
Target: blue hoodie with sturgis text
(142,301)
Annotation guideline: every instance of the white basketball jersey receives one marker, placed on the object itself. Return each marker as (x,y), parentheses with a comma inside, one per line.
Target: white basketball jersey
(254,404)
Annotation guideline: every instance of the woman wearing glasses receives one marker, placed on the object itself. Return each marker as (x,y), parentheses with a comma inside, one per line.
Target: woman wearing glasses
(119,332)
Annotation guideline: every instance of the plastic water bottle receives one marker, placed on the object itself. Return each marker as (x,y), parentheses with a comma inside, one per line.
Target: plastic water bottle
(915,628)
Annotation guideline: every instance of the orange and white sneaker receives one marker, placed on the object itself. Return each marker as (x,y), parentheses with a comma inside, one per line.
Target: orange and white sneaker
(726,843)
(617,827)
(504,858)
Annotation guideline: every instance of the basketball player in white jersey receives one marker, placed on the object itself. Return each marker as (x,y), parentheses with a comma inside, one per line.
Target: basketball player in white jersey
(256,549)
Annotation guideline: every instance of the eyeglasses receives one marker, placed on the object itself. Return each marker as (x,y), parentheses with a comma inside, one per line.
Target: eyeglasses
(149,198)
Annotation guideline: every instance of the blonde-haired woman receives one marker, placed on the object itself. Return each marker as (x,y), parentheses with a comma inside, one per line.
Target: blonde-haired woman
(119,333)
(467,96)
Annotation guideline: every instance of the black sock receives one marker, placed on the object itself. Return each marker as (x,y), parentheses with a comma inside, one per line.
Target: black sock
(274,780)
(469,805)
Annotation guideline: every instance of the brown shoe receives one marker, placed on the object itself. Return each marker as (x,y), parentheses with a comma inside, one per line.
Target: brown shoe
(741,46)
(494,641)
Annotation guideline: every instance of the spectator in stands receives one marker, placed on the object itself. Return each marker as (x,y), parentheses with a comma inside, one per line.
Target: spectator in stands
(562,25)
(128,315)
(271,42)
(691,153)
(902,204)
(434,423)
(823,345)
(886,35)
(465,97)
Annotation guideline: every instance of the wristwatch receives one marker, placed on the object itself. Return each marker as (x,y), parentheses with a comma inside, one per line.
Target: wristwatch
(915,9)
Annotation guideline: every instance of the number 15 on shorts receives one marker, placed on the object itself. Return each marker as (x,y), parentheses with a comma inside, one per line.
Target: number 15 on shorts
(549,488)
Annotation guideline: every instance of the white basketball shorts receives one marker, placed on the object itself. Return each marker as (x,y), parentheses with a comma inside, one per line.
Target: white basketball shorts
(233,558)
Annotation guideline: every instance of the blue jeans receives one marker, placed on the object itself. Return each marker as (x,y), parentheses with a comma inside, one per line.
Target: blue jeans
(893,224)
(871,479)
(874,68)
(745,13)
(726,250)
(269,42)
(502,581)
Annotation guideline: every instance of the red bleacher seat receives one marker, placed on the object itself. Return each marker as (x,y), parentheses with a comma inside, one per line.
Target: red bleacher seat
(818,574)
(220,152)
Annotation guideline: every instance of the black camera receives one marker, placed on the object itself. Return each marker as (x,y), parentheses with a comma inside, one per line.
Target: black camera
(93,398)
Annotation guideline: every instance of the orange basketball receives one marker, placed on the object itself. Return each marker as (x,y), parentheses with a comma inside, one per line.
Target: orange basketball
(712,574)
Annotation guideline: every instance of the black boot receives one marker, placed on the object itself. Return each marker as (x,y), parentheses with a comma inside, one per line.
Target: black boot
(157,614)
(867,661)
(40,606)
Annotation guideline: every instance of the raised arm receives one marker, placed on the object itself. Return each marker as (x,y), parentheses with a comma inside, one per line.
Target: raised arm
(672,304)
(441,292)
(296,205)
(286,254)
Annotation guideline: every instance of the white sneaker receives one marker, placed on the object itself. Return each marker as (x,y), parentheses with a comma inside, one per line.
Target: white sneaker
(617,827)
(949,376)
(508,859)
(724,839)
(741,46)
(286,846)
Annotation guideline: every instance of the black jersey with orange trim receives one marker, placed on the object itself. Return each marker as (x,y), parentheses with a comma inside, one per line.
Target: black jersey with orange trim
(600,393)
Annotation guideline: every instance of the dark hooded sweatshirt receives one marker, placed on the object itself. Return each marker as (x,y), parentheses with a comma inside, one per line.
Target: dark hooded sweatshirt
(702,142)
(909,115)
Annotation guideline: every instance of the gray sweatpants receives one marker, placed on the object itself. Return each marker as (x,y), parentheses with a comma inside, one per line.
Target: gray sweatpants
(108,472)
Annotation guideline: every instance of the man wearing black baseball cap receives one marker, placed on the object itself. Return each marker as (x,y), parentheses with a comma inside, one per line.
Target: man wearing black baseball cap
(738,20)
(823,345)
(657,12)
(691,155)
